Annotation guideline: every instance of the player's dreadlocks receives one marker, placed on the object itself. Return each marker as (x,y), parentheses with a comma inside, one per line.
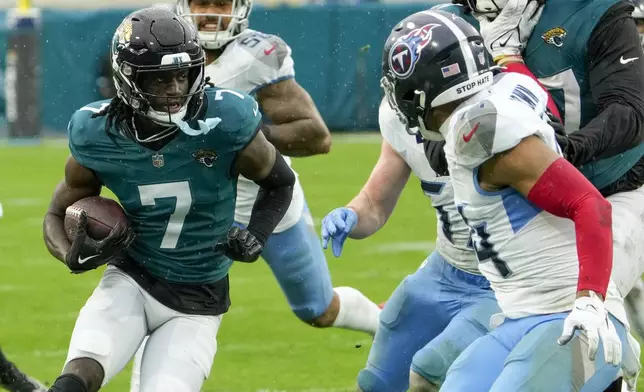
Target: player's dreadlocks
(116,112)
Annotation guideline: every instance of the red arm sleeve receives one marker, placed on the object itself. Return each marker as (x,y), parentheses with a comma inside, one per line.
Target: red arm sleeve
(563,191)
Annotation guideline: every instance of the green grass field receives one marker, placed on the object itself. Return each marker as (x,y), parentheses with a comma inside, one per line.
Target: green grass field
(262,346)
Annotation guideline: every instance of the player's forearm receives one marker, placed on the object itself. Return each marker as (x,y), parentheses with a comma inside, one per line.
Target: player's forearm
(563,191)
(371,217)
(55,237)
(376,201)
(273,200)
(299,138)
(618,128)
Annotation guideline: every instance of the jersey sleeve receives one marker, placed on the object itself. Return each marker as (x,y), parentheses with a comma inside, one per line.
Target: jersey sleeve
(513,111)
(273,62)
(241,120)
(80,136)
(390,125)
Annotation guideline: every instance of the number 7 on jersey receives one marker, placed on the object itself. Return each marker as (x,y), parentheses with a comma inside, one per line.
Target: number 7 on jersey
(180,191)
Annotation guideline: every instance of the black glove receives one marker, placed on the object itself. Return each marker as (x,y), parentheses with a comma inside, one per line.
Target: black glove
(241,245)
(86,254)
(560,134)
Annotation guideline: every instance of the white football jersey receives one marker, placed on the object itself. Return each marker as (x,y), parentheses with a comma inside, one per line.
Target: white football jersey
(453,239)
(528,255)
(248,63)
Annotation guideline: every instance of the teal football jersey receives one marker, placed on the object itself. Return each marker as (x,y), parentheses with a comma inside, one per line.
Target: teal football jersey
(556,54)
(180,199)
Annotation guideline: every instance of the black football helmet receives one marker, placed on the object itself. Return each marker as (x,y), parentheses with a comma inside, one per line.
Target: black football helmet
(432,58)
(157,40)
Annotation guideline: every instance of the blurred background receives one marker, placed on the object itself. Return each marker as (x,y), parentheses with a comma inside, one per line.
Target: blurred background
(54,55)
(53,61)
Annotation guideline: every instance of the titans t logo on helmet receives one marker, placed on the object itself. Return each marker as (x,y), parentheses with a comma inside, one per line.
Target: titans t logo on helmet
(405,53)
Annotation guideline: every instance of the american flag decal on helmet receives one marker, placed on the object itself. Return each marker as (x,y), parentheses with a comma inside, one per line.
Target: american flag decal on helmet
(451,70)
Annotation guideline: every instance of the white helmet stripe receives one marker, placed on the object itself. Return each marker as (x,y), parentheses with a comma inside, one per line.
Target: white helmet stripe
(470,63)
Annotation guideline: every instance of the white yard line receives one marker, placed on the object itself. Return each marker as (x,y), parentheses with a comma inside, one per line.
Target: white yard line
(396,247)
(24,202)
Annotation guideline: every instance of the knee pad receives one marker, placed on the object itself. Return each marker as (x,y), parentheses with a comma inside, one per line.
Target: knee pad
(368,381)
(431,365)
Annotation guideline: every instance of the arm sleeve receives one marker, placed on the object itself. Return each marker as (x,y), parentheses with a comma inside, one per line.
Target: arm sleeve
(616,77)
(273,199)
(578,200)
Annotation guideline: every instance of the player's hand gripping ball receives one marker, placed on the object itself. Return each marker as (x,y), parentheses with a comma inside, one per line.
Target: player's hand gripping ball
(98,230)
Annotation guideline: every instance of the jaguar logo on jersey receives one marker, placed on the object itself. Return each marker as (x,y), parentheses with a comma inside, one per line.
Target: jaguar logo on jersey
(405,53)
(205,157)
(555,36)
(157,160)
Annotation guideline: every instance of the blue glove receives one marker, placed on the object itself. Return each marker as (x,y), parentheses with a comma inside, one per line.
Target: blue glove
(337,225)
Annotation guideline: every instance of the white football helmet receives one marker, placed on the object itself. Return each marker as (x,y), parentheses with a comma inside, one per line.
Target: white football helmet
(216,39)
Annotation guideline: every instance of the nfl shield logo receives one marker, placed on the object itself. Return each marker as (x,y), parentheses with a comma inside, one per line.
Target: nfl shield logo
(157,160)
(481,58)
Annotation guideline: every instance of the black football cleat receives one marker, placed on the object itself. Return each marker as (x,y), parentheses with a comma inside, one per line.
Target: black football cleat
(13,380)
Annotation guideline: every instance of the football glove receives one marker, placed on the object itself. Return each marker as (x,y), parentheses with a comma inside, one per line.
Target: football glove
(241,245)
(86,254)
(508,33)
(336,226)
(589,316)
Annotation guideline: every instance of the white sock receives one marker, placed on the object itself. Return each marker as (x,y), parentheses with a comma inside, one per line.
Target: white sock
(357,312)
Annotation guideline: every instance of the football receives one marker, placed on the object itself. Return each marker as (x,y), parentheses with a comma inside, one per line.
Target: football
(102,216)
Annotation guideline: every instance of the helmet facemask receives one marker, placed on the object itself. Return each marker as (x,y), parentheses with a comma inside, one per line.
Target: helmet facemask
(414,109)
(156,105)
(218,33)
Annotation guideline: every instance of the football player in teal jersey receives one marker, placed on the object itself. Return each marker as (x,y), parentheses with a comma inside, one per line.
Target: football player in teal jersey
(170,148)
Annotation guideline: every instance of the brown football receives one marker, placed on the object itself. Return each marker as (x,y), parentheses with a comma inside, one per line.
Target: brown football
(102,216)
